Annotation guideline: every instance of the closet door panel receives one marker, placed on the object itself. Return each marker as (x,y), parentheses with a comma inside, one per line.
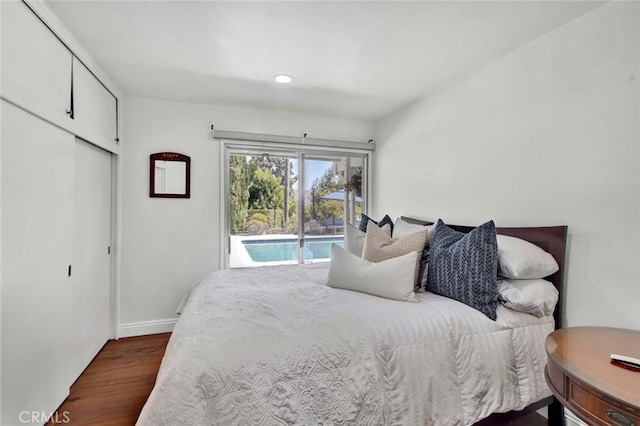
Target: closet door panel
(34,58)
(37,211)
(93,105)
(91,259)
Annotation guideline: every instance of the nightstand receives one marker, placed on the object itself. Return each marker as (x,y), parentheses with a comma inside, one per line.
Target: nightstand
(581,376)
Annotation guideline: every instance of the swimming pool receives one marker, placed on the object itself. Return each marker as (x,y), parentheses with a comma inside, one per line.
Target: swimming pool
(287,249)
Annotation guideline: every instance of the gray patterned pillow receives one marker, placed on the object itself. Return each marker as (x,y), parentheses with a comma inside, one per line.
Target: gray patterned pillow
(464,267)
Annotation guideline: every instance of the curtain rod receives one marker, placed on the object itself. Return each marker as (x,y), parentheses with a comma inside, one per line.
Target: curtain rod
(299,140)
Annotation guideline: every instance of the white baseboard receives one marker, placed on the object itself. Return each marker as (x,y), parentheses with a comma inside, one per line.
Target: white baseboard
(146,327)
(571,419)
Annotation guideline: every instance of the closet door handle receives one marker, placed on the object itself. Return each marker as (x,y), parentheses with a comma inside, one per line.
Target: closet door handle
(70,110)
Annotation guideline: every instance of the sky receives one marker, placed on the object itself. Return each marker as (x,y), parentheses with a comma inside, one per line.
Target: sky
(314,170)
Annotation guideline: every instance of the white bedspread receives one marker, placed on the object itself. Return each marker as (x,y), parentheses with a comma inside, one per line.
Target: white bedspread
(274,346)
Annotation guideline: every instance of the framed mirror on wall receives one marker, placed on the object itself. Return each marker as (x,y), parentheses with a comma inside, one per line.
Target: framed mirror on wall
(169,175)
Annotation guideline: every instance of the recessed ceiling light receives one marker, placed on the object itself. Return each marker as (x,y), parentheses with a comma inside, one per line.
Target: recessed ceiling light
(283,78)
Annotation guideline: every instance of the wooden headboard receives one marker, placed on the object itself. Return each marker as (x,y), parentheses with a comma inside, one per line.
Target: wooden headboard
(551,239)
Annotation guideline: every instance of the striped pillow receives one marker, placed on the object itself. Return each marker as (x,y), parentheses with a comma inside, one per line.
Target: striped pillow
(378,246)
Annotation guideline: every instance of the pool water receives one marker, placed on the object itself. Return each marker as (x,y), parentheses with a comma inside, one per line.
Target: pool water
(283,250)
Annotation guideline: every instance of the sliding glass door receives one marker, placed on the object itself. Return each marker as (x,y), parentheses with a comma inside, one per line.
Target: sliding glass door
(262,207)
(332,200)
(287,207)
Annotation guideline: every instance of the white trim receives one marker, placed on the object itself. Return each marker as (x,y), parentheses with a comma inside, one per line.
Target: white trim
(114,258)
(294,140)
(571,419)
(301,188)
(368,189)
(225,243)
(147,327)
(116,253)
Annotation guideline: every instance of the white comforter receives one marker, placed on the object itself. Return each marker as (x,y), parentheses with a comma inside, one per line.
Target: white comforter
(274,346)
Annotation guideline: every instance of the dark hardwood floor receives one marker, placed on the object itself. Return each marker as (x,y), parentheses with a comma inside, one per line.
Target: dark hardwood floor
(115,386)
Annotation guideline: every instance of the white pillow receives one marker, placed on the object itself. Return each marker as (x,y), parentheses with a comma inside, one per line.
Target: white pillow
(537,297)
(522,260)
(402,228)
(392,279)
(354,238)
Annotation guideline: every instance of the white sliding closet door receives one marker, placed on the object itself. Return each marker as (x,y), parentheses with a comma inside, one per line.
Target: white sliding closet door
(91,259)
(37,214)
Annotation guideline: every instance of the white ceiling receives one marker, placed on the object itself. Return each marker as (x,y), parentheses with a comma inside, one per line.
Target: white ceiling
(349,59)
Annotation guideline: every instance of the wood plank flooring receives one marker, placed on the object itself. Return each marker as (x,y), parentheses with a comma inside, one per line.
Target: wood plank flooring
(115,386)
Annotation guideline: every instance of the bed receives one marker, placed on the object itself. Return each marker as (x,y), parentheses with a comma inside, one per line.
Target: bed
(275,346)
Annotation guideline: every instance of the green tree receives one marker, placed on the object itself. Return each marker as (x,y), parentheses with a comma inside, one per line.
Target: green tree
(324,209)
(265,191)
(280,167)
(258,182)
(239,193)
(277,165)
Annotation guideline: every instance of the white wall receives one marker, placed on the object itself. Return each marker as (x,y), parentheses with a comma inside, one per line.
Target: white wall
(167,244)
(548,134)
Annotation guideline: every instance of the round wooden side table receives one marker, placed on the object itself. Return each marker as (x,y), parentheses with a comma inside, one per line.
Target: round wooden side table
(580,374)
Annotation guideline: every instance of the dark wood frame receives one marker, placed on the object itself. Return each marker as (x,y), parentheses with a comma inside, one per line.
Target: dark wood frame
(552,239)
(169,156)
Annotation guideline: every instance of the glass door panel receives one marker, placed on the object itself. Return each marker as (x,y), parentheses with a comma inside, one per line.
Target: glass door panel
(262,209)
(330,202)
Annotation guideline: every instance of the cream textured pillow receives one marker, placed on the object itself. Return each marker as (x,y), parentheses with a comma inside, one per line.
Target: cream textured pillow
(379,247)
(392,279)
(354,238)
